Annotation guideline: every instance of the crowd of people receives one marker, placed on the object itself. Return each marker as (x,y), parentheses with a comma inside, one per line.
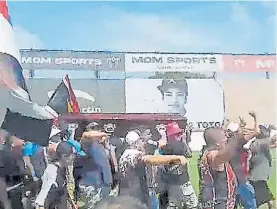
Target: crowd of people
(95,169)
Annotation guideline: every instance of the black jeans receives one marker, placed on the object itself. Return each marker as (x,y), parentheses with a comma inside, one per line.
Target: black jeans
(15,197)
(57,199)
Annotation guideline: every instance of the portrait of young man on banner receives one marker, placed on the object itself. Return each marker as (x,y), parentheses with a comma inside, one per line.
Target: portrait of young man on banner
(174,95)
(199,100)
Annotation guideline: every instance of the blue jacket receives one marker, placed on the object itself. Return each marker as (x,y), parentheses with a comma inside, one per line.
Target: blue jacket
(101,174)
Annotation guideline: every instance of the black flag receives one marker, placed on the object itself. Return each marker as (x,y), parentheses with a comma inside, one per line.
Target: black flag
(28,128)
(63,100)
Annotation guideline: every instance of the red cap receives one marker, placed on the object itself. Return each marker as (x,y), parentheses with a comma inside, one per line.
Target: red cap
(173,129)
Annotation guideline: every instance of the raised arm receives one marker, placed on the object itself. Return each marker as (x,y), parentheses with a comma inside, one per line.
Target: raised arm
(255,128)
(164,159)
(30,166)
(218,157)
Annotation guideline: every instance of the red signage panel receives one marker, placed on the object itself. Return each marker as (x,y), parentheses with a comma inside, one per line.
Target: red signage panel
(249,63)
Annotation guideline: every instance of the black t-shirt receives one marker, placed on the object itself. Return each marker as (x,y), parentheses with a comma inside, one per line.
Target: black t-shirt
(11,166)
(175,174)
(119,146)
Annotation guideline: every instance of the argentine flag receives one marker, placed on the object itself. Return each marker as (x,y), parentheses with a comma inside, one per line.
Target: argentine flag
(13,89)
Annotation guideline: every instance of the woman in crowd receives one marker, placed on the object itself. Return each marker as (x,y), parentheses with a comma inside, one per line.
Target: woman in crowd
(175,178)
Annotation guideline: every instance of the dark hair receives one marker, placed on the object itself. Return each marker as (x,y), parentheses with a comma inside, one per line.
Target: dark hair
(63,149)
(93,126)
(121,202)
(210,136)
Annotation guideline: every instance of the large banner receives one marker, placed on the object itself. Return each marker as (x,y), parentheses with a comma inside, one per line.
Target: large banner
(71,60)
(201,100)
(153,62)
(244,95)
(107,96)
(249,63)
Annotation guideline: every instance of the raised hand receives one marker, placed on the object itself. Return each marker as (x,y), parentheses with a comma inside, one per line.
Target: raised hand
(252,114)
(242,122)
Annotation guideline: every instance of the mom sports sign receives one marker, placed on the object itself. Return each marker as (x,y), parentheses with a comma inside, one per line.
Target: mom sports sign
(149,62)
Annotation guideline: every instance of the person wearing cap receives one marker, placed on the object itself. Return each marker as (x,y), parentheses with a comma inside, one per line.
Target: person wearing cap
(174,94)
(132,166)
(239,162)
(93,171)
(174,132)
(132,169)
(176,178)
(260,166)
(53,191)
(54,140)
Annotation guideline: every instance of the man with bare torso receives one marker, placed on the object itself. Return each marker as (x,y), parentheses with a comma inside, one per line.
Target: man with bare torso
(218,182)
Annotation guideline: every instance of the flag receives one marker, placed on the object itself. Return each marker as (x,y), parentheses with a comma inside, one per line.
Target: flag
(10,69)
(27,128)
(63,100)
(13,89)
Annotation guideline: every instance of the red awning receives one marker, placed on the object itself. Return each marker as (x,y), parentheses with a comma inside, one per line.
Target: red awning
(123,116)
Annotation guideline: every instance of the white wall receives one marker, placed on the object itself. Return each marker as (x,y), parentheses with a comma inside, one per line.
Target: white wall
(197,141)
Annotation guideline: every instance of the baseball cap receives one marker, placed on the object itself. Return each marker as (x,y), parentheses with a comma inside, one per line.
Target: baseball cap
(64,148)
(173,129)
(170,83)
(132,137)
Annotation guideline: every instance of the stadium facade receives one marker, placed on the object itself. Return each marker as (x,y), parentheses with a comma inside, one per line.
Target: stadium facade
(118,81)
